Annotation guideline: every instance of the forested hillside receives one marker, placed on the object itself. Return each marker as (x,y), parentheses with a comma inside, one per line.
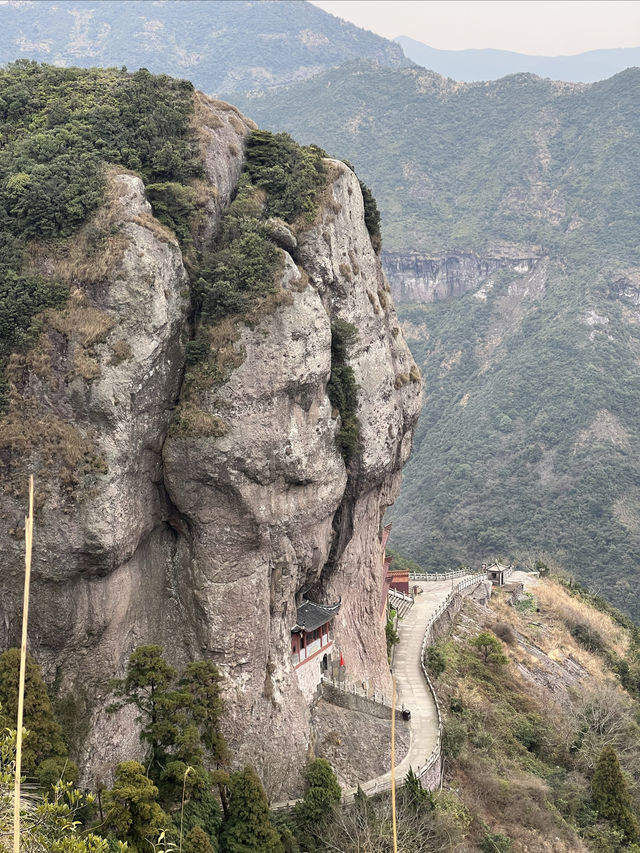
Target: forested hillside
(528,441)
(222,47)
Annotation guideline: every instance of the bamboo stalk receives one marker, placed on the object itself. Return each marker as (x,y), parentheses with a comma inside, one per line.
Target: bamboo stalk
(393,765)
(28,540)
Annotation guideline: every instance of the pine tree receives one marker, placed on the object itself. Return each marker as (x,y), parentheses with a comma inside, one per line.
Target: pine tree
(197,841)
(132,810)
(44,743)
(490,647)
(610,793)
(321,797)
(247,827)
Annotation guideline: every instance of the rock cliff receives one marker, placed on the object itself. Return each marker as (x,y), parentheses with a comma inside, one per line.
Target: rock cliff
(416,277)
(204,542)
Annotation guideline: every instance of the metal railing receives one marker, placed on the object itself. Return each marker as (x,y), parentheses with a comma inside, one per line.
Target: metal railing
(472,580)
(439,576)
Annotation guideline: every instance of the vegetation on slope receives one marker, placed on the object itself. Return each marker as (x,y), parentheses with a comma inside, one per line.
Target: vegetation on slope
(59,128)
(518,160)
(229,47)
(536,731)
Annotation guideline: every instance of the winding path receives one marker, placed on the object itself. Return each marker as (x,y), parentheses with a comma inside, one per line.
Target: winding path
(412,689)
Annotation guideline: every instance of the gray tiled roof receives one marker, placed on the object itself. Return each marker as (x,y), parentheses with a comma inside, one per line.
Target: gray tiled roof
(310,616)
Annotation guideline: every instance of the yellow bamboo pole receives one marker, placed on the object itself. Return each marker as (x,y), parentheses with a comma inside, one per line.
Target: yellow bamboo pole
(393,765)
(28,541)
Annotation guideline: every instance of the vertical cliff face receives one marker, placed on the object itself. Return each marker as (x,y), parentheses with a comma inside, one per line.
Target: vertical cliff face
(416,277)
(205,541)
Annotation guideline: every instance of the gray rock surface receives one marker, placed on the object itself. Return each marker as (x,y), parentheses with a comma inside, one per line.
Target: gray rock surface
(206,544)
(415,277)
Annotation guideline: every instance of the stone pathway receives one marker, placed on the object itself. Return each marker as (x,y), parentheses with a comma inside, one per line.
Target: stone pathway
(412,689)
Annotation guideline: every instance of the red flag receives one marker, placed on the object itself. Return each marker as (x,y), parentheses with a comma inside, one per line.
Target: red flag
(341,660)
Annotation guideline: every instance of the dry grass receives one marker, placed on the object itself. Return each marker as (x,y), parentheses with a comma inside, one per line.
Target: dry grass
(162,232)
(192,421)
(414,373)
(80,321)
(57,448)
(121,352)
(382,298)
(401,379)
(345,271)
(569,611)
(374,302)
(92,253)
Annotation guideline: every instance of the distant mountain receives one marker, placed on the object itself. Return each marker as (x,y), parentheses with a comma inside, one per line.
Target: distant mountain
(476,65)
(222,46)
(529,439)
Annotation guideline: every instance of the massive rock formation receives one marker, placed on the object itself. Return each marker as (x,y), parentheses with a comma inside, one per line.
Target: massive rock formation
(205,542)
(417,277)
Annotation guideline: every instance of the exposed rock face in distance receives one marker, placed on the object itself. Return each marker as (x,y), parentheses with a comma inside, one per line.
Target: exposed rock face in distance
(415,277)
(206,544)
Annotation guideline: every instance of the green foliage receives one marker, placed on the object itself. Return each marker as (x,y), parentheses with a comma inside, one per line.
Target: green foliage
(44,752)
(179,718)
(290,174)
(414,796)
(342,389)
(247,827)
(495,842)
(489,647)
(59,126)
(231,279)
(435,661)
(48,824)
(197,841)
(173,204)
(610,793)
(391,635)
(132,811)
(321,798)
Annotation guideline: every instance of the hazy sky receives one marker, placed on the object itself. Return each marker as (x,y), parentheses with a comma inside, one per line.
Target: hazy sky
(544,27)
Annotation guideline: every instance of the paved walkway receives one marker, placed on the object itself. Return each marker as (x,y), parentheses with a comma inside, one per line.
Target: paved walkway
(411,686)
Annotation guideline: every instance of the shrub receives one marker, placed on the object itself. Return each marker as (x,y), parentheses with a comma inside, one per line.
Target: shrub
(505,632)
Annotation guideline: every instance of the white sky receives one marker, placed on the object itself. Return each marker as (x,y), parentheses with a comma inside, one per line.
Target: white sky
(543,27)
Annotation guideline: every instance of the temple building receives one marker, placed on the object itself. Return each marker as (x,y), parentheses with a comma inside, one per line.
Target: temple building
(311,643)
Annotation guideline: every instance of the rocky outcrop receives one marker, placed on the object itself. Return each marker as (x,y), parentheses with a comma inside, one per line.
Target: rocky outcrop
(416,277)
(205,543)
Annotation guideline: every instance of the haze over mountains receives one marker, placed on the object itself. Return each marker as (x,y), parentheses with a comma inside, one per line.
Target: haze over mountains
(222,47)
(489,64)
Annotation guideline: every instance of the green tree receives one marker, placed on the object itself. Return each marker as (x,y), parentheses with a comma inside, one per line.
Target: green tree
(414,796)
(247,828)
(321,797)
(489,647)
(610,793)
(44,748)
(148,685)
(132,812)
(197,841)
(200,685)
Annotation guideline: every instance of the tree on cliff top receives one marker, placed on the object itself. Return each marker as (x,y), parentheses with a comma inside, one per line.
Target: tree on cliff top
(610,794)
(247,828)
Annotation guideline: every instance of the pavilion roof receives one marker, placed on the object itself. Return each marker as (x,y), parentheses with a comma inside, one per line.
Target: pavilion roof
(310,616)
